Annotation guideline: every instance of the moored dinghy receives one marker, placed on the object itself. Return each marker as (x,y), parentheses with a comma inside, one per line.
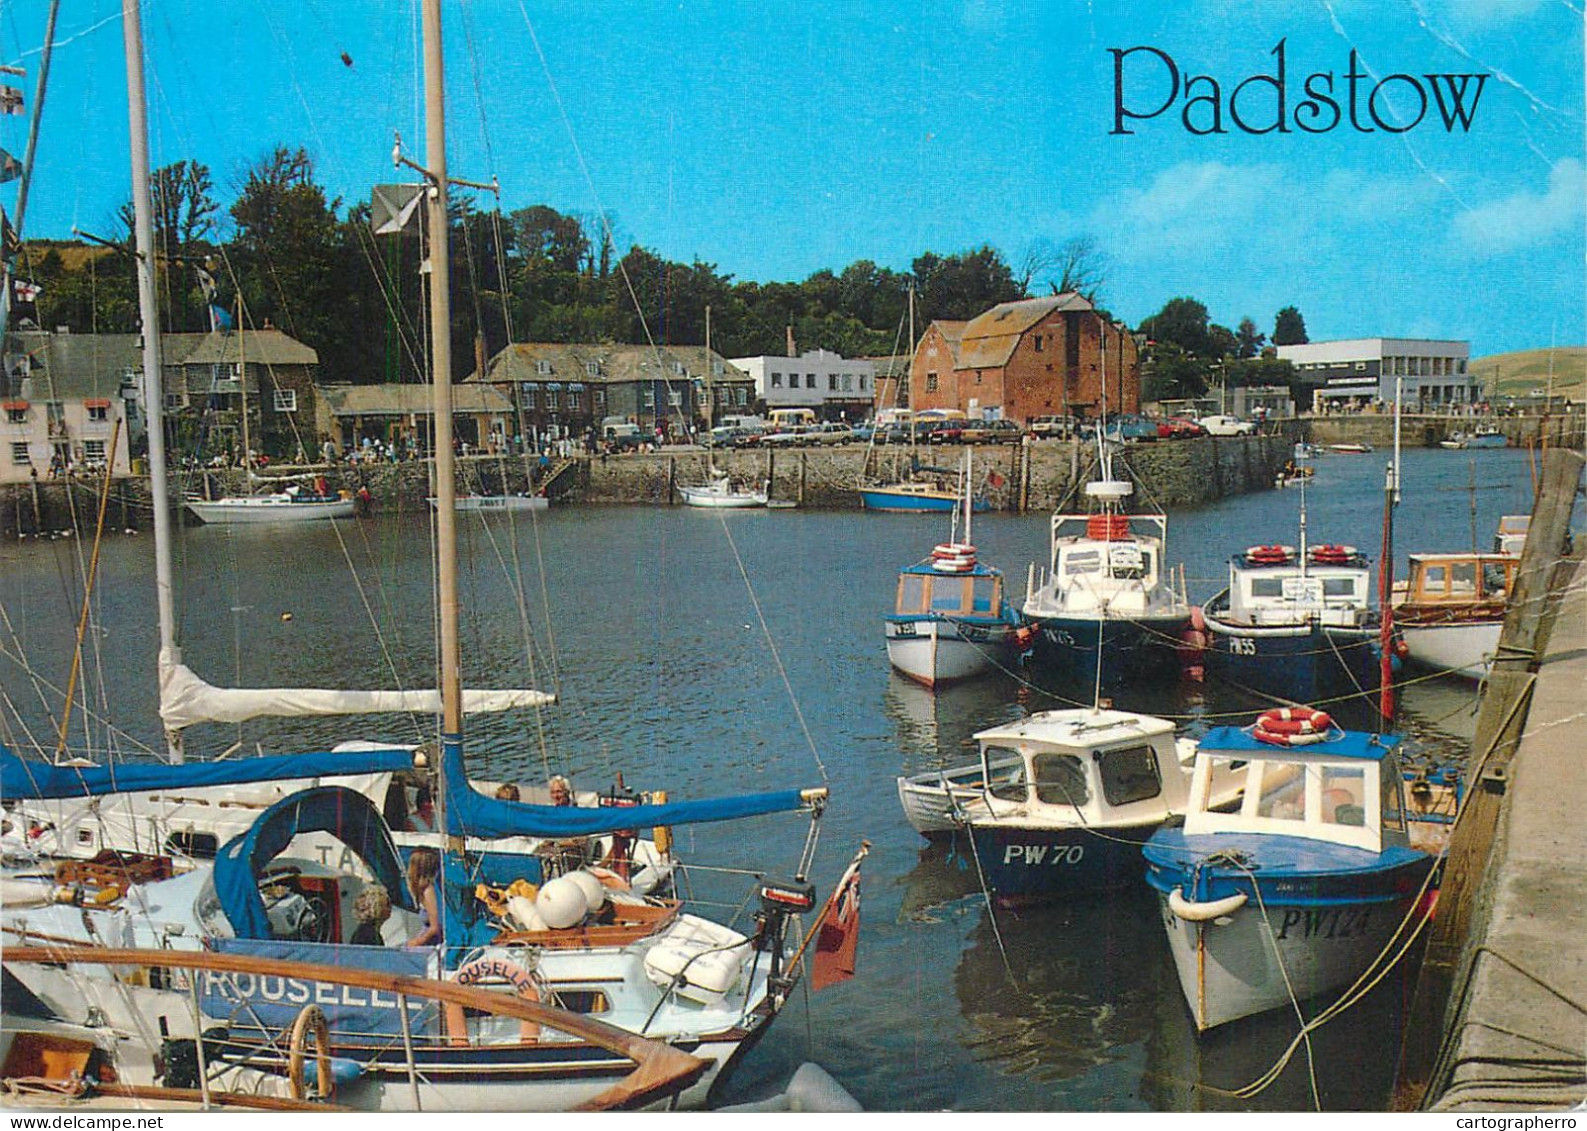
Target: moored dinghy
(1303,887)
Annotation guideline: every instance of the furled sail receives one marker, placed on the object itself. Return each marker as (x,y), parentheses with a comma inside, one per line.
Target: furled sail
(186,699)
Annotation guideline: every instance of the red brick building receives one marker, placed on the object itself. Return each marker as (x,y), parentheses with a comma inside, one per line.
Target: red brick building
(1021,360)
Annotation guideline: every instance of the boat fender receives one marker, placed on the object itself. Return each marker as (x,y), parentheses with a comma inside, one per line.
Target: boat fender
(1023,638)
(492,969)
(311,1019)
(1193,912)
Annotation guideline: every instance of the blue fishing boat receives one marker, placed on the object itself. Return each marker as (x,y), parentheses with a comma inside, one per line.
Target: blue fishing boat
(1296,625)
(1304,887)
(925,492)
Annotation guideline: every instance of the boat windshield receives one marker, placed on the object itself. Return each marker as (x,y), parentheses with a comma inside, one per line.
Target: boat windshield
(1130,775)
(1061,780)
(1006,779)
(947,595)
(1331,800)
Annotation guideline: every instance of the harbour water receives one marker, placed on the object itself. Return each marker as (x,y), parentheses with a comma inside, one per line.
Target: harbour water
(711,652)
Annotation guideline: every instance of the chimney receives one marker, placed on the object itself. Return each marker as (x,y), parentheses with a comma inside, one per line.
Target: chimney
(791,351)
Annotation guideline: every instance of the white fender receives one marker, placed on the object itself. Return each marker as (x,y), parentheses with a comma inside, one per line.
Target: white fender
(1193,912)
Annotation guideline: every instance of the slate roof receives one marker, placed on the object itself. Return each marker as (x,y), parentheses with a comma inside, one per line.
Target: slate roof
(616,364)
(409,399)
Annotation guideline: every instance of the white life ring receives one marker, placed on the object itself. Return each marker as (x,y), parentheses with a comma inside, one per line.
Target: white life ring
(492,969)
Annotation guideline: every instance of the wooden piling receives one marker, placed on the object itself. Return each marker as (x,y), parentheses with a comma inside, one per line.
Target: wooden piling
(804,467)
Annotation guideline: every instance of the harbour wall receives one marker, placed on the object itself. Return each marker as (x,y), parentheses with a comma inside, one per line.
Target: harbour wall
(1036,476)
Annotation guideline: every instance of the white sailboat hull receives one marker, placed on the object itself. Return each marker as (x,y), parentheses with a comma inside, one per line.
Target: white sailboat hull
(934,652)
(498,503)
(268,508)
(722,500)
(1459,649)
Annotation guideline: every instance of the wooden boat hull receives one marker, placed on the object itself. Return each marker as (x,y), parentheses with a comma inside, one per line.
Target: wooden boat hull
(934,652)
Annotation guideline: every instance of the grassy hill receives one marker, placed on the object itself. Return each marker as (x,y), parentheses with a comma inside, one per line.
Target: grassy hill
(1518,374)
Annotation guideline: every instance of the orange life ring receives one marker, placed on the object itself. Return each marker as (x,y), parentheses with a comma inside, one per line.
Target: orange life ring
(1108,527)
(1292,726)
(953,550)
(492,969)
(1332,555)
(1267,555)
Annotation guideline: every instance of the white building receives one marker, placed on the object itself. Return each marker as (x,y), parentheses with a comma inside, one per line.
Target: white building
(1357,371)
(63,399)
(837,388)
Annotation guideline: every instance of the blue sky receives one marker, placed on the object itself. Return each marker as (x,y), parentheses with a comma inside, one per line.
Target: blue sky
(776,139)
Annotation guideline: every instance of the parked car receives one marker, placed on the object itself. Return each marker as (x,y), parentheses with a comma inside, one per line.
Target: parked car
(1123,427)
(1179,428)
(942,431)
(624,435)
(833,433)
(724,437)
(1224,425)
(992,432)
(864,433)
(793,436)
(1052,427)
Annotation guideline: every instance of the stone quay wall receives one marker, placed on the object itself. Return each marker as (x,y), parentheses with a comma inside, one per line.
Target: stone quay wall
(1036,476)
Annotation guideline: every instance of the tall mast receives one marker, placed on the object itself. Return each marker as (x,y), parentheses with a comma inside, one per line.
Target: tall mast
(441,376)
(148,313)
(242,389)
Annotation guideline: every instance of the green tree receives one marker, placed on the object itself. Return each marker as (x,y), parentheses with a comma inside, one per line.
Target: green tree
(1249,339)
(1289,328)
(963,285)
(1183,323)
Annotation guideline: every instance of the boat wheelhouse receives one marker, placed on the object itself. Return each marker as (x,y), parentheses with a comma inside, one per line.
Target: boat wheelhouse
(1298,891)
(1299,626)
(1106,589)
(1452,610)
(1060,802)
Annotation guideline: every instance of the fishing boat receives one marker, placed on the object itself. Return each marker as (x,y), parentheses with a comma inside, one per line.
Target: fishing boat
(1105,600)
(1303,888)
(1059,803)
(951,619)
(1295,625)
(1452,610)
(291,505)
(722,492)
(1482,436)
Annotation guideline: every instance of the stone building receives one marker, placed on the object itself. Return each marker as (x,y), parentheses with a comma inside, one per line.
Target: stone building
(564,389)
(219,373)
(402,417)
(1019,360)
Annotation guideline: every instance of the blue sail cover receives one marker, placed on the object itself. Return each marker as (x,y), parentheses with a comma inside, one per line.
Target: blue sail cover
(251,1002)
(1349,744)
(469,813)
(350,817)
(22,779)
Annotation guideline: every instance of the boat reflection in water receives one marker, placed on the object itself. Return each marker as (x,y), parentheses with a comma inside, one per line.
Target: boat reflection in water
(936,729)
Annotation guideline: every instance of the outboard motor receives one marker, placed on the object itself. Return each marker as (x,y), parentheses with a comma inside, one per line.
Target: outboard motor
(780,901)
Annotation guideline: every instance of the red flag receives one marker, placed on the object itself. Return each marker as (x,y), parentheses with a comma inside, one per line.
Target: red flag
(838,931)
(995,479)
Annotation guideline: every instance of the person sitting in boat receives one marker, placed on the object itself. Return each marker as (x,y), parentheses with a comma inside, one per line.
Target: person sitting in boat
(507,791)
(424,884)
(422,819)
(372,908)
(561,790)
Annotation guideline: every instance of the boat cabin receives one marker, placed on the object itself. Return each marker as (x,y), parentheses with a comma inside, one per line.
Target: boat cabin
(1464,581)
(1091,765)
(1345,791)
(923,590)
(1511,536)
(1270,585)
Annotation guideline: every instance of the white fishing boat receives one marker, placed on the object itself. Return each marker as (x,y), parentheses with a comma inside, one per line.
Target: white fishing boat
(1349,449)
(951,618)
(1059,803)
(1303,888)
(723,492)
(1452,608)
(1482,436)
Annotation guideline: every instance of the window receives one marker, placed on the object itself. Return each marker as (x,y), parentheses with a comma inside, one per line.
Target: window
(677,368)
(832,382)
(1130,775)
(1339,587)
(1267,587)
(810,380)
(575,402)
(675,398)
(551,399)
(1036,342)
(1082,561)
(931,382)
(649,398)
(1061,780)
(1280,794)
(600,400)
(286,400)
(19,454)
(16,414)
(593,368)
(99,413)
(741,397)
(864,382)
(1463,578)
(543,367)
(1008,782)
(94,451)
(984,596)
(776,380)
(911,593)
(948,593)
(1343,791)
(1435,580)
(173,401)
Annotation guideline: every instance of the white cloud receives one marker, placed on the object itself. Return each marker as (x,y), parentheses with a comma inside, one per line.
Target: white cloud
(1526,218)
